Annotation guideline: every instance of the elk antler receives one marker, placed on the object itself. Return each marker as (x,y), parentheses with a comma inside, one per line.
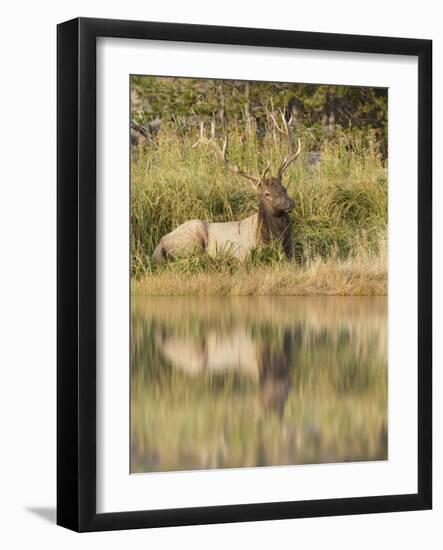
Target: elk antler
(284,130)
(222,154)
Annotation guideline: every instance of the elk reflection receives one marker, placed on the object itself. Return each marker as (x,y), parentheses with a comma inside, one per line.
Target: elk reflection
(230,382)
(266,360)
(274,377)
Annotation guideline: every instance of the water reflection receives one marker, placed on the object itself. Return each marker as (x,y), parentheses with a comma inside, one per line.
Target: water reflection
(232,382)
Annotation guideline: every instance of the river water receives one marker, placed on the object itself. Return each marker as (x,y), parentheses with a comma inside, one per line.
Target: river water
(219,382)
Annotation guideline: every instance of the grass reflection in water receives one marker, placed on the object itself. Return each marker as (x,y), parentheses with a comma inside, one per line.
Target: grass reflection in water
(243,382)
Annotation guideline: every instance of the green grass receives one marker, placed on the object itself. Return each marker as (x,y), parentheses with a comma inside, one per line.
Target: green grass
(339,222)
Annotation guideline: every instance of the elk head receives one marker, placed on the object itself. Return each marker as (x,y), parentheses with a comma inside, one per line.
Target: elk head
(272,193)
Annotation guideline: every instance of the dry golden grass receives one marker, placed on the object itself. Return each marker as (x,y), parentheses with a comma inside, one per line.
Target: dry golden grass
(364,275)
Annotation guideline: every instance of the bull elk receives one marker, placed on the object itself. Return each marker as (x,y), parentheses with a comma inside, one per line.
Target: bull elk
(270,223)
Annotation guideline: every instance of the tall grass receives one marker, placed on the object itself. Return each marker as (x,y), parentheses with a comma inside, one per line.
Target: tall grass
(339,223)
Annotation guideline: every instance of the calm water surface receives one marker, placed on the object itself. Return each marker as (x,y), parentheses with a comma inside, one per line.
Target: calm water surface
(234,382)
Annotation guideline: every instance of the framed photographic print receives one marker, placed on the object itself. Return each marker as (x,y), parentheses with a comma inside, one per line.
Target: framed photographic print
(244,274)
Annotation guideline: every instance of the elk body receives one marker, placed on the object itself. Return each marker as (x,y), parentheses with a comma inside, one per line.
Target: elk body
(270,223)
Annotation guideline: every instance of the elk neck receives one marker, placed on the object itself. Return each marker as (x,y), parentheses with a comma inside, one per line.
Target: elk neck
(271,227)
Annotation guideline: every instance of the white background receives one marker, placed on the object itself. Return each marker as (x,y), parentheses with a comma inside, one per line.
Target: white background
(116,489)
(27,305)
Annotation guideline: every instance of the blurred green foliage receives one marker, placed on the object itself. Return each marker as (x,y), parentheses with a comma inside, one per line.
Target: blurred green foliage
(183,100)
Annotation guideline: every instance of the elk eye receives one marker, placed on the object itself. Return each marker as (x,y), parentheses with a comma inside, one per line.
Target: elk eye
(267,193)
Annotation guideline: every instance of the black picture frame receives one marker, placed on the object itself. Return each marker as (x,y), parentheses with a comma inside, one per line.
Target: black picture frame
(76,273)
